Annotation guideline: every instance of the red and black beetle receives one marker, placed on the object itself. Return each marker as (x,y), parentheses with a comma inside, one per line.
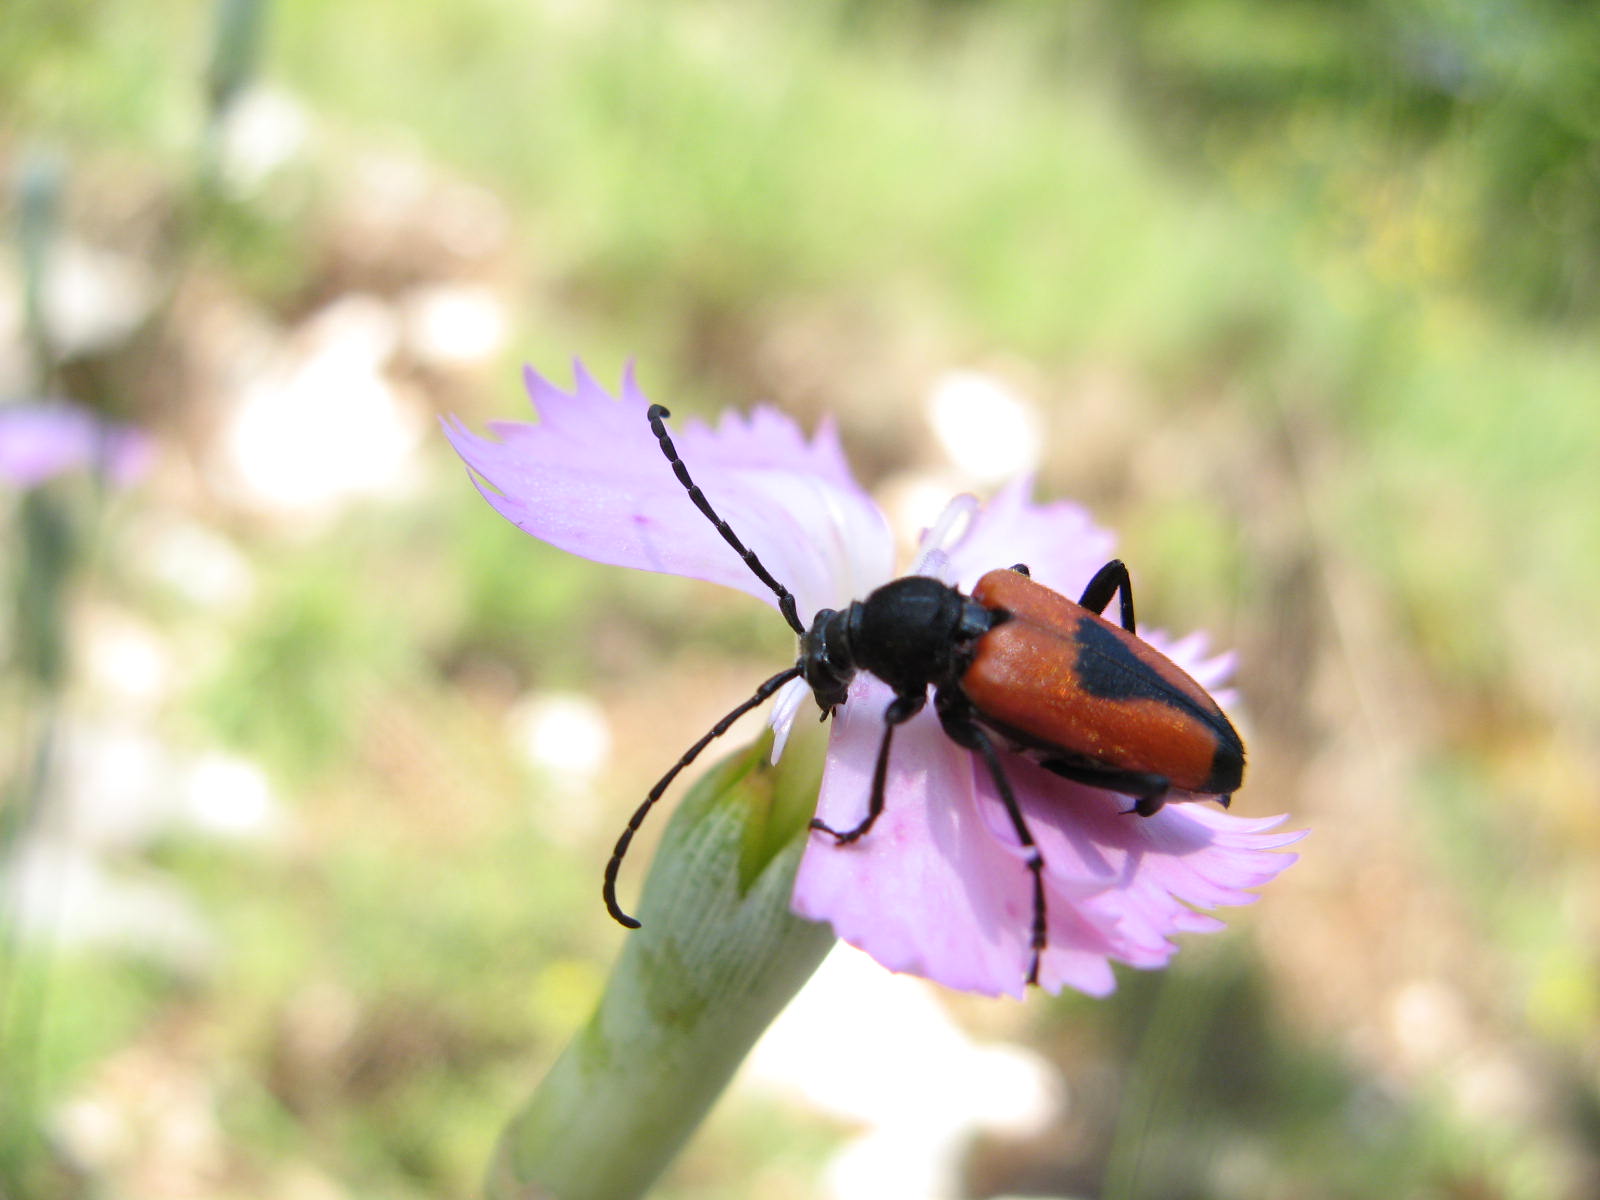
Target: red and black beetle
(1015,667)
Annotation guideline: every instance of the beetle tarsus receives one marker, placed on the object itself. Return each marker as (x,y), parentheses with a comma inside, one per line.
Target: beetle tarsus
(841,837)
(1149,806)
(1146,806)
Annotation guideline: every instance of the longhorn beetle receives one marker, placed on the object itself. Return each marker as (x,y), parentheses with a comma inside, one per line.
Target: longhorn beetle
(1014,667)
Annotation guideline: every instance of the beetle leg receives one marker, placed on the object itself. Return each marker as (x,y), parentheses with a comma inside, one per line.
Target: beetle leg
(901,709)
(1149,791)
(609,891)
(955,715)
(1107,582)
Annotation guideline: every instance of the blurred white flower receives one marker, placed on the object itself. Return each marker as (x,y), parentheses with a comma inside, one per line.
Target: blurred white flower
(989,430)
(125,659)
(561,731)
(93,298)
(323,425)
(566,739)
(53,890)
(196,562)
(879,1050)
(226,796)
(263,131)
(454,324)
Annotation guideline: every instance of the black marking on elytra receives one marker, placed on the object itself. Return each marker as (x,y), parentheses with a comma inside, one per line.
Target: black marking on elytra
(1108,669)
(1227,764)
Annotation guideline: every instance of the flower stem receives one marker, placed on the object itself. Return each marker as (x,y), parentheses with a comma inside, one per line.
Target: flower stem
(718,957)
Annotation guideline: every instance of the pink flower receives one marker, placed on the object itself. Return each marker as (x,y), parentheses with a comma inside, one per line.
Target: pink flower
(939,887)
(39,441)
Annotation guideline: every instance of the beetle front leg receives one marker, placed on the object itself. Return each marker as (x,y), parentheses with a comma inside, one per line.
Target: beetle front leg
(901,709)
(1107,582)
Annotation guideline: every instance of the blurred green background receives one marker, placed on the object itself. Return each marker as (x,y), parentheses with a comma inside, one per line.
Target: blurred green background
(1304,295)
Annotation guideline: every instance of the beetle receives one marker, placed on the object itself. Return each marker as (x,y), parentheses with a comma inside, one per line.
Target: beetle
(1014,668)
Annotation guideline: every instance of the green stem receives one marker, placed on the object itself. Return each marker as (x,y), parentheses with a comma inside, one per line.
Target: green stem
(718,957)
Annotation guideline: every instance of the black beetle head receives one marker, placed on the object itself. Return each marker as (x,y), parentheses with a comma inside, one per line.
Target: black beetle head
(826,662)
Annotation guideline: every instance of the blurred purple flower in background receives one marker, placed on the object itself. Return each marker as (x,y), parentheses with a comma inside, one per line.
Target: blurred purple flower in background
(40,440)
(939,888)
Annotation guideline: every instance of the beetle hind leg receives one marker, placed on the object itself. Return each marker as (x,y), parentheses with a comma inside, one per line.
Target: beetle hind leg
(1149,791)
(1108,581)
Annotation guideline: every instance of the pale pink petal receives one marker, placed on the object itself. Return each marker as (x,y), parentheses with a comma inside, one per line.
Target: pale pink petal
(1135,877)
(590,478)
(1192,652)
(1059,542)
(939,887)
(928,891)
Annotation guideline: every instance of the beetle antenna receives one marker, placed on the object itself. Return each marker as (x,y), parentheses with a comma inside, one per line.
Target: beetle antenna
(786,604)
(609,891)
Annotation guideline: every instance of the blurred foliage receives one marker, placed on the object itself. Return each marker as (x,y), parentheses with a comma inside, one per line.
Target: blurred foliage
(1480,115)
(1309,292)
